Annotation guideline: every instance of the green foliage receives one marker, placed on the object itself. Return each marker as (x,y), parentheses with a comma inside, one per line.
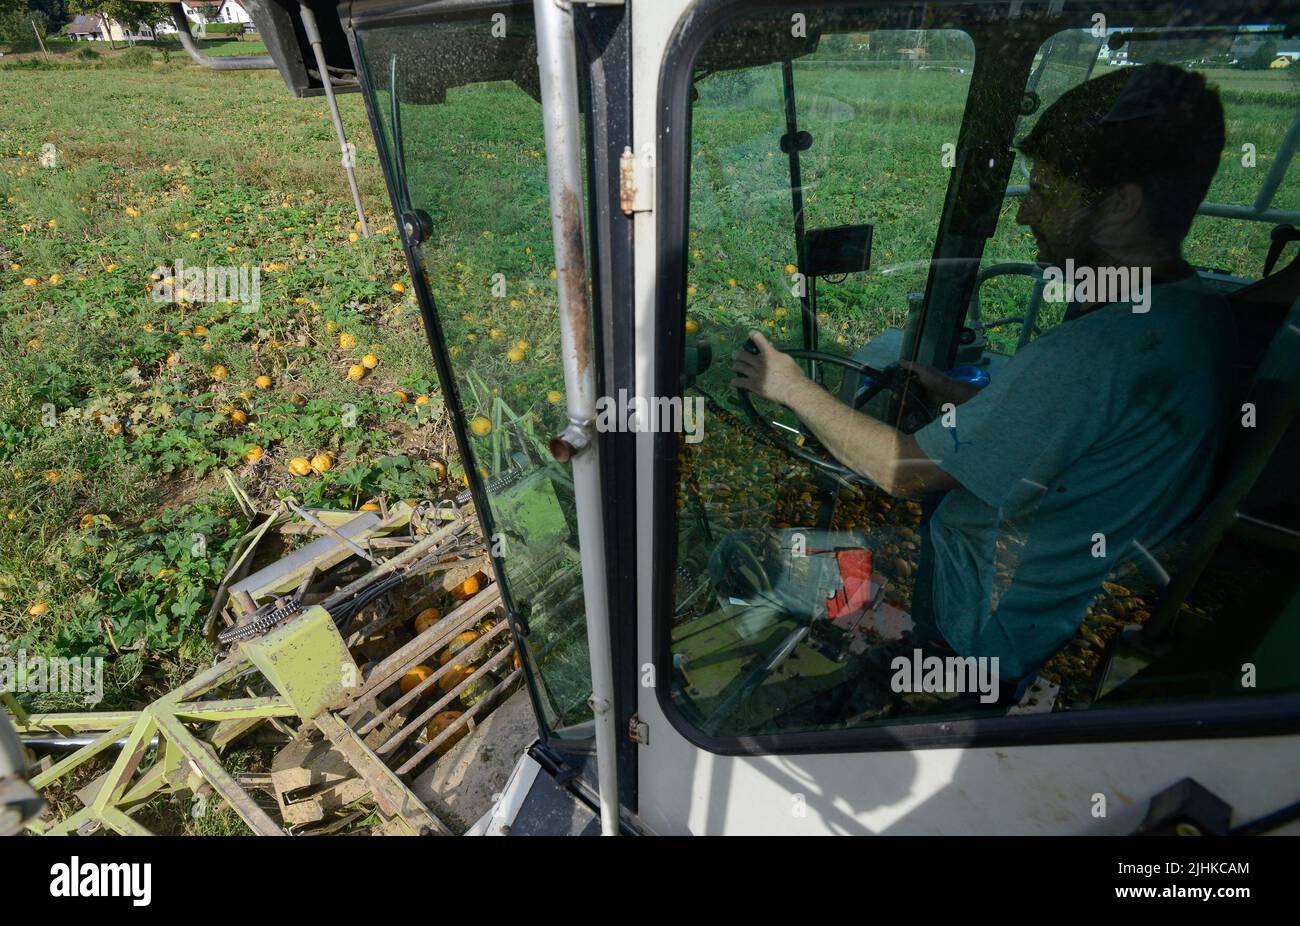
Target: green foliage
(112,424)
(1260,56)
(135,57)
(125,12)
(156,584)
(30,64)
(218,28)
(16,21)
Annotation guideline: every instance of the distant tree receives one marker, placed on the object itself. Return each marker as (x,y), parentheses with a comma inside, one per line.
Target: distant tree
(1260,57)
(127,14)
(1267,54)
(887,44)
(1293,71)
(17,18)
(55,10)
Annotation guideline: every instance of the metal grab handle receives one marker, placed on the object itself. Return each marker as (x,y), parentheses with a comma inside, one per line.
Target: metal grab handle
(1029,322)
(557,71)
(221,63)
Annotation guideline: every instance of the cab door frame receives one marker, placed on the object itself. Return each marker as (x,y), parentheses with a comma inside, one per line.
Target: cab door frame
(1027,774)
(602,43)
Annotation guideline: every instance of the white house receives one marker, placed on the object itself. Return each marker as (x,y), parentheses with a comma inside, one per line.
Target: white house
(129,34)
(88,27)
(200,14)
(92,27)
(216,11)
(232,11)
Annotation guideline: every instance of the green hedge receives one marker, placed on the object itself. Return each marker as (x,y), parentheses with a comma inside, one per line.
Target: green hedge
(223,29)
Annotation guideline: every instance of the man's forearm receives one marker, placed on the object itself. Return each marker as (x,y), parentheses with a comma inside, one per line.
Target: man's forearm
(892,460)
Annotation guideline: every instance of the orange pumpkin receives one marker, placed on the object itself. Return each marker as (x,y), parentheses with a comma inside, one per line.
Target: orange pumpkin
(426,619)
(457,674)
(467,589)
(414,677)
(440,723)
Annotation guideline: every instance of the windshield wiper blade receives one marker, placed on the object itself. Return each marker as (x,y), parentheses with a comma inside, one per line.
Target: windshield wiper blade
(399,145)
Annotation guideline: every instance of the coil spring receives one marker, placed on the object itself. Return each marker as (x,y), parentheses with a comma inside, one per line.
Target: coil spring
(502,481)
(259,625)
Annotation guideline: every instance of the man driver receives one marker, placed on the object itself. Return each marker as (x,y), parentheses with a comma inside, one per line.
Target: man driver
(1101,433)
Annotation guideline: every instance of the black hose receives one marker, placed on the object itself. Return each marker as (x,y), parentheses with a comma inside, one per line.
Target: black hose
(1268,822)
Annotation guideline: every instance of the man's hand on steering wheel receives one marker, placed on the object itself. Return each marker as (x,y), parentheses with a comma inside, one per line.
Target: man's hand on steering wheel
(837,427)
(937,387)
(767,372)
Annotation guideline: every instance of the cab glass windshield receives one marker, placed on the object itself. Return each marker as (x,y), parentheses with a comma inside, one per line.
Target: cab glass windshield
(456,102)
(990,321)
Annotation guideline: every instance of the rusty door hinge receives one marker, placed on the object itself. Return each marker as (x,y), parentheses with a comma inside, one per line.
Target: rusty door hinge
(636,180)
(638,731)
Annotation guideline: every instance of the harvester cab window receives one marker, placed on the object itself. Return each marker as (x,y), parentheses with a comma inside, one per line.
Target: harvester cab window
(1096,514)
(461,127)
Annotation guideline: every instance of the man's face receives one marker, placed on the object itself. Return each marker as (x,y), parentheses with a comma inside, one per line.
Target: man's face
(1051,210)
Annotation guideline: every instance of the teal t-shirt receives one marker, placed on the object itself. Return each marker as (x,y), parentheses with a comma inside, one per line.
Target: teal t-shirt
(1107,424)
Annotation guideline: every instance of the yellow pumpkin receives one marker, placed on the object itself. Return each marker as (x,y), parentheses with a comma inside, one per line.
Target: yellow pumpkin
(414,677)
(426,619)
(440,723)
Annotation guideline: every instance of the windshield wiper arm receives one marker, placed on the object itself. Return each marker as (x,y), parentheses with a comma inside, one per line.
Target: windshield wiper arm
(399,145)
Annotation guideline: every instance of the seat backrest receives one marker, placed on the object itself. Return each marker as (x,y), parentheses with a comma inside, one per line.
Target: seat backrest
(1259,310)
(1274,391)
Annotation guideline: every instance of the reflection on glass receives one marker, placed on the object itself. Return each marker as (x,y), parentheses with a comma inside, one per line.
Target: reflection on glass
(1068,534)
(458,101)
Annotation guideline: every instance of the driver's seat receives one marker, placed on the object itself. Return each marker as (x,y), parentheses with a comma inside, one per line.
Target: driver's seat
(1268,321)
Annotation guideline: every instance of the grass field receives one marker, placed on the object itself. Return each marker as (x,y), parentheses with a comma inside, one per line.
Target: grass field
(114,419)
(878,137)
(117,409)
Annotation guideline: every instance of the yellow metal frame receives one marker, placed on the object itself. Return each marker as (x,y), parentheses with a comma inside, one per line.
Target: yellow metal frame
(182,760)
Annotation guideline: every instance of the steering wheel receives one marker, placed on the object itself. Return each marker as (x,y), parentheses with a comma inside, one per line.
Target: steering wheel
(916,412)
